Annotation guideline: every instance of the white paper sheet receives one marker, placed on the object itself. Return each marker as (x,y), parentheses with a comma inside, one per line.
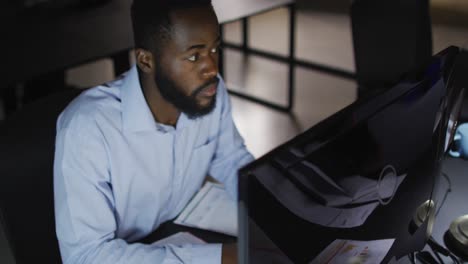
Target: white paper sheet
(211,209)
(354,252)
(179,239)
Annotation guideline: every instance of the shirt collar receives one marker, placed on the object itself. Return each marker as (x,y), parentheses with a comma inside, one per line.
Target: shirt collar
(136,114)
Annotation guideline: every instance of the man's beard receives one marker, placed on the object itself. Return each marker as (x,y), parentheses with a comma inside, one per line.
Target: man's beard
(187,104)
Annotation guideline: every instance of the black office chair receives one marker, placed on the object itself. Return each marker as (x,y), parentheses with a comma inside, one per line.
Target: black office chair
(390,38)
(27,140)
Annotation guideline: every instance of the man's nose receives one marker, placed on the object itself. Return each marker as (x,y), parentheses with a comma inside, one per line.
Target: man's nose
(210,69)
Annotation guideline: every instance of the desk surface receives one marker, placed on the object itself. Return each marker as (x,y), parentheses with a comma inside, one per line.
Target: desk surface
(39,43)
(455,204)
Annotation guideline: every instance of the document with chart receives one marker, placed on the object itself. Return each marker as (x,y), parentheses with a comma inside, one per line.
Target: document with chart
(353,251)
(211,209)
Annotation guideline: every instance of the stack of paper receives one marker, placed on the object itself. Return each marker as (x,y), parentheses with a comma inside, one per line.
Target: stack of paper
(211,209)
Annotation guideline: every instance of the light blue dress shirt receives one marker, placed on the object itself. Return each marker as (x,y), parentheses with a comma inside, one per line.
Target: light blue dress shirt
(118,174)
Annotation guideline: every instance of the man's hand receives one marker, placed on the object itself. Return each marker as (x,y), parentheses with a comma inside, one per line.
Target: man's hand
(229,254)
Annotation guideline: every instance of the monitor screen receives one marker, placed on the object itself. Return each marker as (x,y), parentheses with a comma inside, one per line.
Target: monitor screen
(359,184)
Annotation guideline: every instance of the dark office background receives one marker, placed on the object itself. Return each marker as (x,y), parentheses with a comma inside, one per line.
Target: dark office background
(323,36)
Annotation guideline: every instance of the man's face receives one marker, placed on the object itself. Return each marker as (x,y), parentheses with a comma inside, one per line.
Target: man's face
(186,70)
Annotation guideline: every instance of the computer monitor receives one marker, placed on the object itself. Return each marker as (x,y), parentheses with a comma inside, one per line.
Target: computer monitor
(362,180)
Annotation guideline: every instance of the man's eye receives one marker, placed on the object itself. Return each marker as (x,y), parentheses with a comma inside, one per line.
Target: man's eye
(214,50)
(193,58)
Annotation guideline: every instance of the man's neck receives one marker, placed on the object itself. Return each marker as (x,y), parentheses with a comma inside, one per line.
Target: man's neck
(163,111)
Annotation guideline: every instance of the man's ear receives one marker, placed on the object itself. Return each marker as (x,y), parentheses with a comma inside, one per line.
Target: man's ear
(144,60)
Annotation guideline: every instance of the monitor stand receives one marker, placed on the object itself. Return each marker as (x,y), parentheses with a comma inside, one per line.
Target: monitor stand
(456,237)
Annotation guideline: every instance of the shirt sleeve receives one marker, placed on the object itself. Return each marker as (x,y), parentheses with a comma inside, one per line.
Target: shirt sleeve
(231,153)
(85,217)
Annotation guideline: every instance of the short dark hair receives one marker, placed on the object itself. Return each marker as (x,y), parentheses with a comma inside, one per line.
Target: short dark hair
(151,20)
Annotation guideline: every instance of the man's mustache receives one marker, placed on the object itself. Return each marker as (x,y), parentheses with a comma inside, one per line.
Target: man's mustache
(204,86)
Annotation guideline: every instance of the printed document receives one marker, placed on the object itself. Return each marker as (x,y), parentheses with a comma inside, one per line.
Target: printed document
(354,252)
